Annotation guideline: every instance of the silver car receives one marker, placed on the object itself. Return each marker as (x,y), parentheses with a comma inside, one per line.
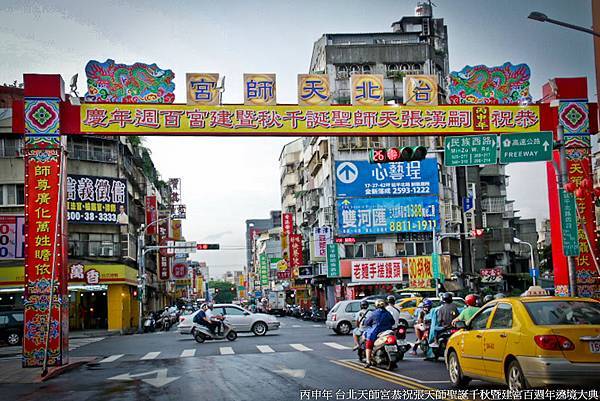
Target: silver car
(341,317)
(240,319)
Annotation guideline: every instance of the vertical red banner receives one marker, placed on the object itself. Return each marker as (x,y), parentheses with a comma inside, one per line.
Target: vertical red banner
(287,223)
(151,214)
(164,262)
(296,258)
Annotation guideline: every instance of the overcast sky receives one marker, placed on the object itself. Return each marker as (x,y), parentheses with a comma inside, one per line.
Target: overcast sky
(229,180)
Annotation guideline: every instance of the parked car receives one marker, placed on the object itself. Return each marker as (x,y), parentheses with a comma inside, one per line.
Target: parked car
(11,326)
(340,318)
(240,319)
(528,342)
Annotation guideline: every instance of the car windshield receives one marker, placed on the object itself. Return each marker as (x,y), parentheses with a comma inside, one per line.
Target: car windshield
(563,312)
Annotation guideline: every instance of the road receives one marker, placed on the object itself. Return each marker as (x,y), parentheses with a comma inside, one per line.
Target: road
(302,360)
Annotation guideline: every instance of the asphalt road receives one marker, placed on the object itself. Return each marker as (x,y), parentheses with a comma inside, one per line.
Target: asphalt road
(301,361)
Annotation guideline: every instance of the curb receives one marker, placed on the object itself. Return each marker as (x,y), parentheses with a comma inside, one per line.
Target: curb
(57,371)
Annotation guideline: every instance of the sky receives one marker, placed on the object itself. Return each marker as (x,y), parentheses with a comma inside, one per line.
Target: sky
(229,180)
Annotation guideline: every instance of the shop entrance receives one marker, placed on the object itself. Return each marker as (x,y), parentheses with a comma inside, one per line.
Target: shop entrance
(89,309)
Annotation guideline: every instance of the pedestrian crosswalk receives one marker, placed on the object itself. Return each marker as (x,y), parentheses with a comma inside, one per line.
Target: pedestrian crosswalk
(75,343)
(230,350)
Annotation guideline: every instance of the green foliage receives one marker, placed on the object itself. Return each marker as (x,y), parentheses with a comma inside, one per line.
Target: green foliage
(396,75)
(224,294)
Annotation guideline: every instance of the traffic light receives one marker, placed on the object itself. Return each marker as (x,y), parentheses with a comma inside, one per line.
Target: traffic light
(480,232)
(204,247)
(404,154)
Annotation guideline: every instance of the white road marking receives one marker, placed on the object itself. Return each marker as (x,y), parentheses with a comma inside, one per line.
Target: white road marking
(317,325)
(296,325)
(188,352)
(226,351)
(150,355)
(111,358)
(336,346)
(265,348)
(300,347)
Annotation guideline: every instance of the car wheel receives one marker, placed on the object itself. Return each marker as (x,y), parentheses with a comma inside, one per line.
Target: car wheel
(13,339)
(455,372)
(515,378)
(259,329)
(344,328)
(231,336)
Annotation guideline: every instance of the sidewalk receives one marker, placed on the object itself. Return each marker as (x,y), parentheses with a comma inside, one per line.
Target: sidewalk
(12,372)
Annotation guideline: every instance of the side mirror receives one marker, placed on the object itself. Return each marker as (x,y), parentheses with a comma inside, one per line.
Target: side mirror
(246,313)
(460,325)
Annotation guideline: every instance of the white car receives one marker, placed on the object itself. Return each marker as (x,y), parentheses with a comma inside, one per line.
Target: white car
(240,319)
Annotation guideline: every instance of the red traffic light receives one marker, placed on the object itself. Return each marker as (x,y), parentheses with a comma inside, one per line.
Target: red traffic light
(478,232)
(203,247)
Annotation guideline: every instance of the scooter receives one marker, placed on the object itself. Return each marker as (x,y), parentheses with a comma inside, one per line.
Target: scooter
(386,353)
(403,345)
(438,350)
(149,323)
(202,333)
(317,314)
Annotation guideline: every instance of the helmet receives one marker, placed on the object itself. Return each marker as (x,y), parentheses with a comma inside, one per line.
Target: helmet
(364,304)
(471,299)
(203,306)
(446,297)
(427,303)
(487,299)
(379,303)
(499,296)
(391,300)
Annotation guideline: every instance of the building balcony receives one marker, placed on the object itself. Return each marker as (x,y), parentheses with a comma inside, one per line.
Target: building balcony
(290,180)
(315,164)
(84,249)
(494,205)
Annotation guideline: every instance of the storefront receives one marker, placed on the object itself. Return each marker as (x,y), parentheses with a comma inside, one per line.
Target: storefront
(101,296)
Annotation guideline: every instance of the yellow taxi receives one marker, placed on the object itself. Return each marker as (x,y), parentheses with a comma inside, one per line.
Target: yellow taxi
(528,341)
(408,304)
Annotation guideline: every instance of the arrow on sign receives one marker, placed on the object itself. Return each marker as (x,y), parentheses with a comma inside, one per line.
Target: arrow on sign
(545,145)
(345,202)
(159,380)
(297,373)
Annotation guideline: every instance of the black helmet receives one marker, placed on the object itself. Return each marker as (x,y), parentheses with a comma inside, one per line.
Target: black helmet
(447,297)
(499,296)
(364,305)
(487,299)
(391,300)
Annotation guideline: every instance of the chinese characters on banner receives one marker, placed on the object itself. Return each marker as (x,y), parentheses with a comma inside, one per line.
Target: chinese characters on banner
(421,90)
(387,215)
(491,275)
(178,209)
(97,200)
(202,89)
(264,270)
(420,272)
(313,90)
(164,262)
(359,178)
(296,258)
(317,120)
(377,271)
(287,228)
(321,237)
(287,223)
(12,237)
(367,89)
(92,276)
(260,90)
(333,261)
(151,214)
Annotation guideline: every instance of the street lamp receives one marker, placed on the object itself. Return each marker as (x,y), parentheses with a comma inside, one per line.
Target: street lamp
(541,17)
(518,241)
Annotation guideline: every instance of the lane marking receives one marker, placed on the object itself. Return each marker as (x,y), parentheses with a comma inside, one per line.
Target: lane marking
(265,348)
(381,375)
(336,346)
(317,325)
(300,347)
(226,351)
(112,358)
(403,377)
(188,352)
(296,325)
(150,355)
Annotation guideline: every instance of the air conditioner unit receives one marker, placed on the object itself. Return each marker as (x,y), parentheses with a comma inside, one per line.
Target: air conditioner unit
(106,250)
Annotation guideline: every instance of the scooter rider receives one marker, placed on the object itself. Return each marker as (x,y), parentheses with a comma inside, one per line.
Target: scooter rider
(379,321)
(469,311)
(203,319)
(391,307)
(360,318)
(215,319)
(487,299)
(420,329)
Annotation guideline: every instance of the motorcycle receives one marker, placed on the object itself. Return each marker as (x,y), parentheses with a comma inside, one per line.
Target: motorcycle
(403,345)
(163,322)
(317,314)
(386,352)
(306,314)
(437,350)
(149,323)
(296,311)
(202,333)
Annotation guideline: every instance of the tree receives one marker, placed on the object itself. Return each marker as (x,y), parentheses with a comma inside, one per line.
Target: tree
(223,293)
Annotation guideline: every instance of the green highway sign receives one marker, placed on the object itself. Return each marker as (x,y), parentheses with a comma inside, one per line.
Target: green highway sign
(526,147)
(470,150)
(568,221)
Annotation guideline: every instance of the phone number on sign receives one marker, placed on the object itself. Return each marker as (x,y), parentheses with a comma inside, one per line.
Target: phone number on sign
(91,216)
(418,225)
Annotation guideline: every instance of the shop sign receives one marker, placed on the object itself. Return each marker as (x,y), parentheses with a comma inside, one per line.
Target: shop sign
(260,90)
(235,120)
(264,270)
(179,270)
(333,260)
(345,240)
(367,89)
(176,232)
(202,89)
(387,215)
(96,200)
(296,258)
(12,237)
(287,223)
(359,178)
(151,214)
(420,272)
(420,90)
(491,276)
(377,270)
(313,90)
(164,262)
(101,274)
(321,237)
(92,277)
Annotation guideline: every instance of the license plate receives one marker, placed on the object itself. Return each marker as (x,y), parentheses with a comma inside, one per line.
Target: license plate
(391,348)
(595,347)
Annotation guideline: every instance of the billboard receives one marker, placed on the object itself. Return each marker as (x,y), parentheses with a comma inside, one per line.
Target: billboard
(378,270)
(321,237)
(387,215)
(97,200)
(12,237)
(359,178)
(151,214)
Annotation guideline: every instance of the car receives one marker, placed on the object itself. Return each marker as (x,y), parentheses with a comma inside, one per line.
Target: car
(340,318)
(11,326)
(240,319)
(528,341)
(409,305)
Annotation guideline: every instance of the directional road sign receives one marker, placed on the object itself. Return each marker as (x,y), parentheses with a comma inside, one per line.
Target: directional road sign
(568,221)
(471,150)
(526,147)
(347,172)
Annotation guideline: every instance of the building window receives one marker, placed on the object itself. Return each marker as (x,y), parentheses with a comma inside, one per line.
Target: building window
(89,149)
(355,251)
(11,147)
(91,244)
(373,250)
(12,195)
(423,248)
